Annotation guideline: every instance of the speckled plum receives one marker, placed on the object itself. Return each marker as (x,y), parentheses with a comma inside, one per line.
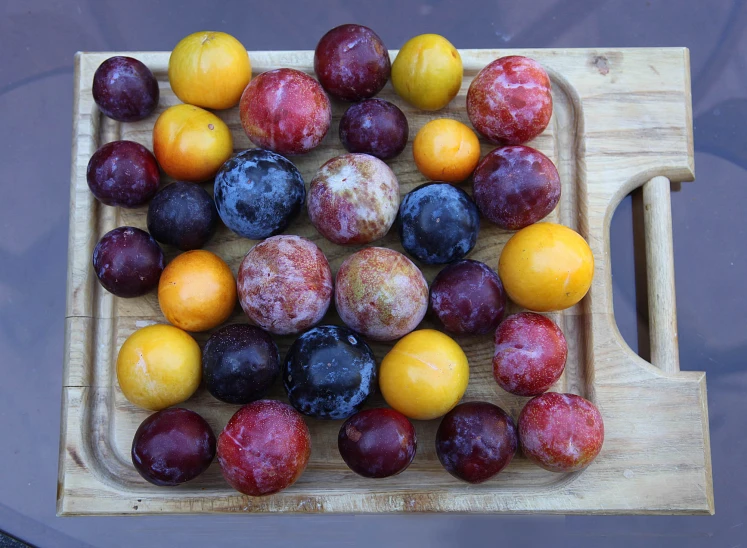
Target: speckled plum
(468,298)
(516,186)
(438,223)
(285,110)
(510,101)
(329,372)
(125,89)
(353,199)
(183,215)
(285,284)
(374,127)
(258,193)
(264,448)
(475,441)
(380,293)
(123,173)
(561,432)
(530,354)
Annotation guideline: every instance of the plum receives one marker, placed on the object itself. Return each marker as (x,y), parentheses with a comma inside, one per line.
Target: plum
(374,127)
(183,215)
(329,372)
(516,186)
(510,101)
(530,354)
(353,199)
(352,63)
(128,262)
(286,111)
(468,298)
(561,432)
(285,284)
(123,173)
(377,443)
(380,293)
(264,448)
(173,446)
(125,89)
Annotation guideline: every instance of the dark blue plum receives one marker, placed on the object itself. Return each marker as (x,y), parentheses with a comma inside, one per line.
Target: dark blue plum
(329,372)
(240,363)
(438,223)
(258,193)
(182,215)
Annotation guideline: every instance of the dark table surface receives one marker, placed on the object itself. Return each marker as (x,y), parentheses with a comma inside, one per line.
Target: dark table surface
(39,38)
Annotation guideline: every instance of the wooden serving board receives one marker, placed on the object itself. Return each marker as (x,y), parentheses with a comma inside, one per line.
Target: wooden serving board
(622,119)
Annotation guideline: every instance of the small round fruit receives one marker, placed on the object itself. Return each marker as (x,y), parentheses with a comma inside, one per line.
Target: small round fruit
(182,215)
(190,143)
(240,363)
(546,267)
(377,443)
(427,72)
(561,432)
(209,69)
(424,375)
(128,262)
(475,441)
(516,186)
(530,354)
(197,291)
(285,284)
(173,446)
(352,63)
(286,111)
(468,298)
(438,223)
(510,100)
(329,372)
(446,150)
(380,293)
(125,89)
(123,173)
(258,193)
(158,366)
(374,127)
(353,199)
(264,448)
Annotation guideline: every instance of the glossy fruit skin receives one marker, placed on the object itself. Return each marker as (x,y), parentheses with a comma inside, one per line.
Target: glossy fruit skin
(125,89)
(475,441)
(380,293)
(427,72)
(446,150)
(158,366)
(197,291)
(377,443)
(240,363)
(374,127)
(530,354)
(561,432)
(209,69)
(546,267)
(303,108)
(173,446)
(128,262)
(264,448)
(352,63)
(438,223)
(353,199)
(329,372)
(468,298)
(424,375)
(183,215)
(510,101)
(285,284)
(123,173)
(258,193)
(191,143)
(516,186)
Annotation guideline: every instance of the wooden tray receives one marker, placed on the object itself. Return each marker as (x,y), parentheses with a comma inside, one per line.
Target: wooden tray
(621,118)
